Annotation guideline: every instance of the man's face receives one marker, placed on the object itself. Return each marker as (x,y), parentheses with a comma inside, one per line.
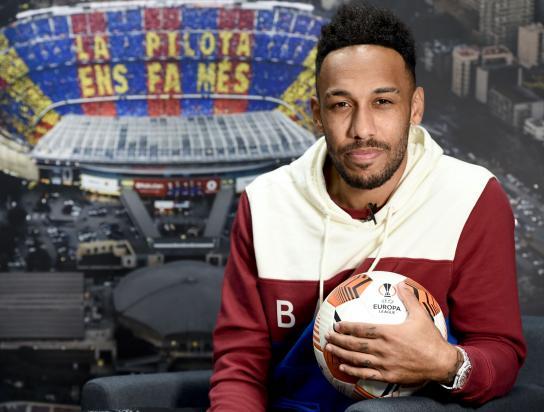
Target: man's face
(366,103)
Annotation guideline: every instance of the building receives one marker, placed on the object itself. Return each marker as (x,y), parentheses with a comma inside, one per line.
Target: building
(470,3)
(437,58)
(491,21)
(533,79)
(465,12)
(487,77)
(499,20)
(539,10)
(514,104)
(476,70)
(496,55)
(105,154)
(146,100)
(465,60)
(534,128)
(496,67)
(108,254)
(530,50)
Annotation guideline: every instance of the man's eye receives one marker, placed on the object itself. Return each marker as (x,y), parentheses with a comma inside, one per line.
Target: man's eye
(341,105)
(381,102)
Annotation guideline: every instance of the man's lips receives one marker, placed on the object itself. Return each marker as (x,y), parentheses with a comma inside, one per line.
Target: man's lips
(364,155)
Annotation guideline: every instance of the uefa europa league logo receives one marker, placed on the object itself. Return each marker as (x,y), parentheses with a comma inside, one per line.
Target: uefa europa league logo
(387,290)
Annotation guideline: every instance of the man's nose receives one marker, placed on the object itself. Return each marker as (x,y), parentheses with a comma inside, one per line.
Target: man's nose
(363,125)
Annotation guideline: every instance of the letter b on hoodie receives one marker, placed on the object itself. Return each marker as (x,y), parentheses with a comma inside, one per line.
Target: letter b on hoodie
(286,319)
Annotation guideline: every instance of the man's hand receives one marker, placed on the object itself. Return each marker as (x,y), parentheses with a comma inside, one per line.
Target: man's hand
(412,352)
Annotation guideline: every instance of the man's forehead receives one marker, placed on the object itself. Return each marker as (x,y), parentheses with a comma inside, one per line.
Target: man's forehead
(378,66)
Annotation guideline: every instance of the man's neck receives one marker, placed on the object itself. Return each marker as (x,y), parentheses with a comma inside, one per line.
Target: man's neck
(349,197)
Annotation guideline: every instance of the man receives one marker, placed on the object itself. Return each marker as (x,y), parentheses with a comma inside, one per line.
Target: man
(376,187)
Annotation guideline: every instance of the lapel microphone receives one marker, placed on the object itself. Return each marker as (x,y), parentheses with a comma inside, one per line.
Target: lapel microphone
(373,209)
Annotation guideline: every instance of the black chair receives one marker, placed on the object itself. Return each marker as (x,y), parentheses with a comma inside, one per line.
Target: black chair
(190,389)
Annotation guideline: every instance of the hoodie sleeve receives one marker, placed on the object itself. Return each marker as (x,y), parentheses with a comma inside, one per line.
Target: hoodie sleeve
(483,299)
(241,338)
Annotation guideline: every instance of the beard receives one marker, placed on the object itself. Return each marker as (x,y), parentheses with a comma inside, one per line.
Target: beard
(395,156)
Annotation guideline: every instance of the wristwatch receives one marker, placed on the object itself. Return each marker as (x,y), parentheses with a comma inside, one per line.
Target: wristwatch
(462,373)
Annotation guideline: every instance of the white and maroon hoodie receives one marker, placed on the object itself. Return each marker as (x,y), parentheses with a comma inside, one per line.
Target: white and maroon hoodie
(448,225)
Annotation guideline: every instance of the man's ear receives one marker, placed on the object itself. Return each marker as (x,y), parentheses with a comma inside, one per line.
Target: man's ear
(418,106)
(316,113)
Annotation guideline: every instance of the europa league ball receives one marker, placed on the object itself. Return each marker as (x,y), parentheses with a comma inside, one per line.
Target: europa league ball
(369,298)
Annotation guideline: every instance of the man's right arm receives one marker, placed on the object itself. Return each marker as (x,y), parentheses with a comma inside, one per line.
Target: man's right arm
(241,339)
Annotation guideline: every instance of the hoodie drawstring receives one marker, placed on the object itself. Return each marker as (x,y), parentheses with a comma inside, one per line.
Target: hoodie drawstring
(322,263)
(386,227)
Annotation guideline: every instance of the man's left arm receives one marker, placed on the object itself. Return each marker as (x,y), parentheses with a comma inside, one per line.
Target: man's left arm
(483,311)
(483,299)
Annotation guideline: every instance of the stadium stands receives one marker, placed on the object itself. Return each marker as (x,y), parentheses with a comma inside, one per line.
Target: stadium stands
(184,141)
(106,60)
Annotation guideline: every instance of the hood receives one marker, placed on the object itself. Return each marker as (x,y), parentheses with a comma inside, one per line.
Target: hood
(307,173)
(423,154)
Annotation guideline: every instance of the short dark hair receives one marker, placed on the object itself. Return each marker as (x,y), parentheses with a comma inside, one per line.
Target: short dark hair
(361,23)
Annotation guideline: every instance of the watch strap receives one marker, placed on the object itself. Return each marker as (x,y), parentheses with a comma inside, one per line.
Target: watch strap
(462,373)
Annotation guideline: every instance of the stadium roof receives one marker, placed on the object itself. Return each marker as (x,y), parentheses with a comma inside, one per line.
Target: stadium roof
(154,297)
(218,139)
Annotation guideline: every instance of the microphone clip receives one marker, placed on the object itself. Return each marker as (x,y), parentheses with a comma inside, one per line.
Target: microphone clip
(373,209)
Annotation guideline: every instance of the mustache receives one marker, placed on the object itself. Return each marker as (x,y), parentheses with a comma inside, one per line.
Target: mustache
(366,144)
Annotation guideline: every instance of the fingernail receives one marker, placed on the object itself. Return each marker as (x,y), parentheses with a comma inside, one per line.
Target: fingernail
(342,368)
(327,335)
(335,326)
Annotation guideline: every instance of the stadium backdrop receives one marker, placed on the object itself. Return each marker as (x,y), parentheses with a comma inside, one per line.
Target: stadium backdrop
(182,50)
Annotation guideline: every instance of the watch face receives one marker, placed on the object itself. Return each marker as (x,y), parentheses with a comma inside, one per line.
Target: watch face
(464,370)
(462,379)
(463,374)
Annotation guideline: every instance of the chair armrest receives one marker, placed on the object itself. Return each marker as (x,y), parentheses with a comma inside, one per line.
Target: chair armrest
(533,330)
(523,397)
(154,390)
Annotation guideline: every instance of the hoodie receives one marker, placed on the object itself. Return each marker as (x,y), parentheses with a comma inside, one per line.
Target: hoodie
(291,245)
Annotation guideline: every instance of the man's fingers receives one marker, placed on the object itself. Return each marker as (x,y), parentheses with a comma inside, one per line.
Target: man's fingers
(354,358)
(350,342)
(362,373)
(361,330)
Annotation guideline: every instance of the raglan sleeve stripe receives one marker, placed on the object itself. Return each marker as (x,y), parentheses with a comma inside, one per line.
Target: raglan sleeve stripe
(241,338)
(483,299)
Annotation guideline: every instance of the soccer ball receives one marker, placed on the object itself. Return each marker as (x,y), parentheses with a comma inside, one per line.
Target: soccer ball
(371,298)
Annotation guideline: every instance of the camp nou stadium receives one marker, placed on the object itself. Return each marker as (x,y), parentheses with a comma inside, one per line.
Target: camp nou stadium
(127,131)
